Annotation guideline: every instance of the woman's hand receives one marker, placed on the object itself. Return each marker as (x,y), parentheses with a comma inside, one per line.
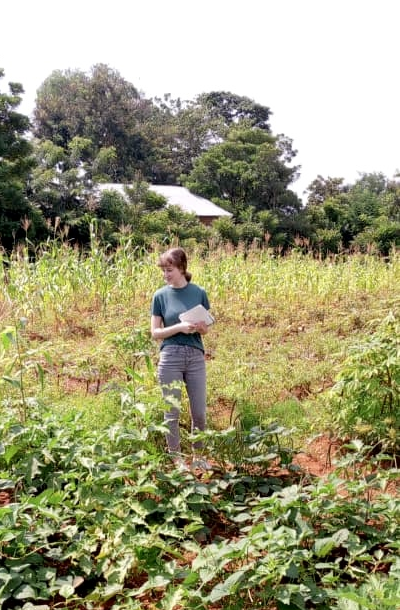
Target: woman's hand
(158,332)
(201,328)
(187,328)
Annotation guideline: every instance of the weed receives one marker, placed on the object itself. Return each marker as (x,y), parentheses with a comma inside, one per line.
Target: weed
(366,397)
(97,515)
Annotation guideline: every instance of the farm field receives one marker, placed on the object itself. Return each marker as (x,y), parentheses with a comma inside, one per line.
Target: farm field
(93,513)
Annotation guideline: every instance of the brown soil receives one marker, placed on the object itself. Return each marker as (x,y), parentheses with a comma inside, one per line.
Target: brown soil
(318,457)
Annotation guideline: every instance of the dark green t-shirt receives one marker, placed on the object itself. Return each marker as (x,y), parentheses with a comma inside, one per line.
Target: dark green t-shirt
(169,302)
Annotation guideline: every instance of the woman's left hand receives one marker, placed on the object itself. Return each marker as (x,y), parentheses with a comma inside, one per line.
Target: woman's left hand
(201,328)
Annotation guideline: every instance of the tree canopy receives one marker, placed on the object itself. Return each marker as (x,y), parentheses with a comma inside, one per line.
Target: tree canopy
(355,216)
(17,216)
(235,109)
(245,170)
(101,106)
(97,127)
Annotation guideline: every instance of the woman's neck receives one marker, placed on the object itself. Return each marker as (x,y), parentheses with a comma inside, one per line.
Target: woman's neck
(180,283)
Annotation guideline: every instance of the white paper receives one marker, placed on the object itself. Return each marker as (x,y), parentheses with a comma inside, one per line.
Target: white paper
(197,314)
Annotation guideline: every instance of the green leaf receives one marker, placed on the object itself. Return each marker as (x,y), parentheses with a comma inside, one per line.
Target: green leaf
(87,462)
(7,337)
(34,467)
(349,600)
(292,571)
(66,591)
(16,383)
(323,546)
(226,587)
(341,536)
(172,599)
(241,517)
(191,579)
(24,592)
(9,453)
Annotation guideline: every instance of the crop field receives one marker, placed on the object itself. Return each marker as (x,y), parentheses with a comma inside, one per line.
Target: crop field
(93,514)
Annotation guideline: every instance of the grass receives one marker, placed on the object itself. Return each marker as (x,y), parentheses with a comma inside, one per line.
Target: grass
(283,325)
(93,513)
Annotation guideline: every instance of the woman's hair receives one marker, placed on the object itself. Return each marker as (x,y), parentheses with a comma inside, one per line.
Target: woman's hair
(177,258)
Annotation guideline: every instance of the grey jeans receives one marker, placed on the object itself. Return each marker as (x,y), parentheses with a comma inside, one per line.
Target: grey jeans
(183,364)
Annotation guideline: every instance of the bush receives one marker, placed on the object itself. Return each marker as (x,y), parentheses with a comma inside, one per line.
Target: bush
(365,399)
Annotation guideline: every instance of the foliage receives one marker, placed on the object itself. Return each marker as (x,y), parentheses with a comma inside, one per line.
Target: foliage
(102,516)
(145,217)
(246,169)
(100,106)
(181,131)
(18,218)
(365,399)
(97,514)
(59,184)
(322,189)
(17,361)
(283,322)
(235,109)
(361,215)
(219,144)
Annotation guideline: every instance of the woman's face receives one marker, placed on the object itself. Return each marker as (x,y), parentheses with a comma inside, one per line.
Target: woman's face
(173,276)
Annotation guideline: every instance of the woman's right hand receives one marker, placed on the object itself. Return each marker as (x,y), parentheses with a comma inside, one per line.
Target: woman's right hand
(187,328)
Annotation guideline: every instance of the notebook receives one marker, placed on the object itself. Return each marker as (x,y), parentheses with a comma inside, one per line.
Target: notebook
(197,314)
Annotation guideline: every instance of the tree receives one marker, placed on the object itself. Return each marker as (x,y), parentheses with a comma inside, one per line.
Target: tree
(180,131)
(60,185)
(321,189)
(101,106)
(235,109)
(18,219)
(245,170)
(177,132)
(62,106)
(145,217)
(374,212)
(354,216)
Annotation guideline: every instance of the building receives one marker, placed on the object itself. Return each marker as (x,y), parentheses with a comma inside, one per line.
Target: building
(205,210)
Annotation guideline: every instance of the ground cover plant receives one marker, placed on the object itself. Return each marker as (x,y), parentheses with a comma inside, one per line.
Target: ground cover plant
(93,514)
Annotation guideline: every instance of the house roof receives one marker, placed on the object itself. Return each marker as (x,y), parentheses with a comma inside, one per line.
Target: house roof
(180,196)
(187,201)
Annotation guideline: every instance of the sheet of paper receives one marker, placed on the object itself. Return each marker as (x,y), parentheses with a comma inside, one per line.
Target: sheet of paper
(197,314)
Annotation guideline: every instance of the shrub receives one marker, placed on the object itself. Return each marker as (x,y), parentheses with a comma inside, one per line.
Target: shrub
(365,399)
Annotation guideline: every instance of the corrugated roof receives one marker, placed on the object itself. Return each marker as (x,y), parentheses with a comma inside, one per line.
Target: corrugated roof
(177,195)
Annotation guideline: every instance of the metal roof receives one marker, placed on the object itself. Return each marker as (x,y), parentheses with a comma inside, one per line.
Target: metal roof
(187,201)
(177,195)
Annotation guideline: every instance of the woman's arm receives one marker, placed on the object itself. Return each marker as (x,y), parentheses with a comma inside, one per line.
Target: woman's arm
(158,331)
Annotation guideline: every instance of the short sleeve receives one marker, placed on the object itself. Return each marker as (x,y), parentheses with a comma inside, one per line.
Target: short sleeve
(155,308)
(205,300)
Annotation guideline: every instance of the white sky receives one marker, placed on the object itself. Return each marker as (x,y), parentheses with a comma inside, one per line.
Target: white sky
(327,69)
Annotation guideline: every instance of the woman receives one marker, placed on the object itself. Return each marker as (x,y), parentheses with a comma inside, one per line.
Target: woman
(182,351)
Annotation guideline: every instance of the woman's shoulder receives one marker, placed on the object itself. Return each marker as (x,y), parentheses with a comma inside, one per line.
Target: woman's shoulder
(196,289)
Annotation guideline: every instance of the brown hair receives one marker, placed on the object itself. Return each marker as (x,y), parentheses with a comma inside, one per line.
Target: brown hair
(177,258)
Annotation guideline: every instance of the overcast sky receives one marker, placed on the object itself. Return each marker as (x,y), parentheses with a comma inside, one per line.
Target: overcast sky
(327,69)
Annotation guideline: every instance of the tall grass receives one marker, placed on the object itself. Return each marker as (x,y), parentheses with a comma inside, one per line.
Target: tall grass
(283,323)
